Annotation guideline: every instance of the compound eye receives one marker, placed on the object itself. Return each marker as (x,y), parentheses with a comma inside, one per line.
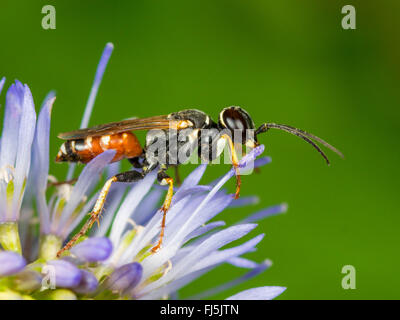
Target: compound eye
(235,119)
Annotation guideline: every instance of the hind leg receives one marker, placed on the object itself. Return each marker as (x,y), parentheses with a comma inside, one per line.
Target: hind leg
(164,179)
(128,176)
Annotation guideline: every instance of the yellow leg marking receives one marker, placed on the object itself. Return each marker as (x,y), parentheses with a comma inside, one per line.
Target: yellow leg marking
(94,216)
(235,163)
(165,208)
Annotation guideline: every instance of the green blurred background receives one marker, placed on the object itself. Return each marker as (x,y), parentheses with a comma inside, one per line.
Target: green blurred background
(284,61)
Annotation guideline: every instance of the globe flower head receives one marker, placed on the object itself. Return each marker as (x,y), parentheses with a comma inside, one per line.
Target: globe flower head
(115,260)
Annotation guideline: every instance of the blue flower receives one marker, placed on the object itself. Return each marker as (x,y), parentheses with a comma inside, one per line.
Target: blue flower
(115,261)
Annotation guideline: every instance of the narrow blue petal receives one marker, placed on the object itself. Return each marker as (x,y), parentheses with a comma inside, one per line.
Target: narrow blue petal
(213,243)
(11,122)
(262,161)
(190,191)
(25,140)
(93,93)
(71,224)
(132,200)
(66,274)
(2,81)
(11,263)
(260,293)
(172,286)
(93,249)
(96,84)
(88,176)
(249,158)
(192,179)
(88,283)
(204,229)
(242,263)
(40,161)
(126,277)
(244,201)
(147,207)
(258,269)
(215,206)
(271,211)
(218,257)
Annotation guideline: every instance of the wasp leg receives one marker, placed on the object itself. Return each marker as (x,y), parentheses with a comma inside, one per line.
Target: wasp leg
(129,176)
(178,180)
(235,163)
(135,162)
(59,183)
(164,179)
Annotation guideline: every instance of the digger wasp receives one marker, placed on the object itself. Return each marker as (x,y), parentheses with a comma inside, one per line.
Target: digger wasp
(85,144)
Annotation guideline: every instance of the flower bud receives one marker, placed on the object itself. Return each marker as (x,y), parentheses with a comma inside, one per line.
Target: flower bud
(93,249)
(66,274)
(88,283)
(126,277)
(11,263)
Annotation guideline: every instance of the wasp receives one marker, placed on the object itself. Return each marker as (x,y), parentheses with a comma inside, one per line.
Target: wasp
(85,144)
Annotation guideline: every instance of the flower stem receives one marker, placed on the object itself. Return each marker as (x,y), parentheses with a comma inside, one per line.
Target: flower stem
(49,246)
(9,237)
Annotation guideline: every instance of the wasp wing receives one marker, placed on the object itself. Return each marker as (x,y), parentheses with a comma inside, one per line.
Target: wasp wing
(157,122)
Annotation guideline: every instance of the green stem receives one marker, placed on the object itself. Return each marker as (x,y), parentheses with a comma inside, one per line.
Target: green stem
(9,237)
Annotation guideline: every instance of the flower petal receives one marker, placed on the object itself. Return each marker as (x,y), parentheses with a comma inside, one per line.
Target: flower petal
(204,229)
(87,178)
(23,158)
(192,179)
(242,263)
(96,84)
(2,81)
(132,200)
(271,211)
(93,93)
(40,162)
(260,293)
(11,263)
(147,207)
(258,269)
(12,116)
(213,243)
(244,201)
(218,257)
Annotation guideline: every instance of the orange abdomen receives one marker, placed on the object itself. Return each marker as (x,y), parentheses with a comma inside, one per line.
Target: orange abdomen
(125,144)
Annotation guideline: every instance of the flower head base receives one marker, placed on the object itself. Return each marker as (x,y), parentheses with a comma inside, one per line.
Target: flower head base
(116,261)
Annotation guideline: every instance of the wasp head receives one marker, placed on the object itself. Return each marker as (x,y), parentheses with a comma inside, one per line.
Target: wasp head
(236,119)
